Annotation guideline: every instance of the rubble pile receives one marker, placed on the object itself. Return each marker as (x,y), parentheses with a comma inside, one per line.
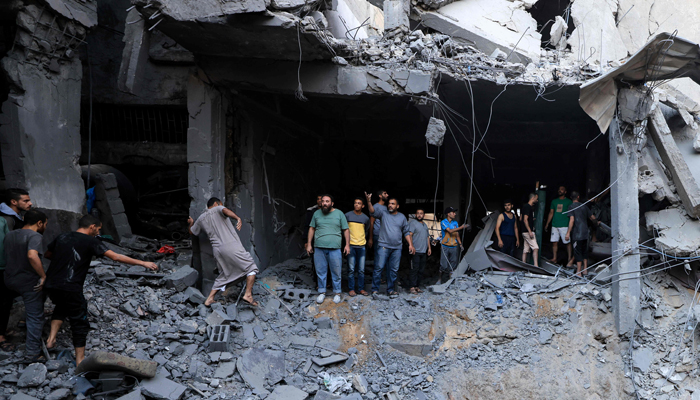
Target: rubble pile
(289,347)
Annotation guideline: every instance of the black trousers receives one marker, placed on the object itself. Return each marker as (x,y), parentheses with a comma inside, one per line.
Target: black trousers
(71,306)
(508,244)
(7,297)
(580,250)
(417,267)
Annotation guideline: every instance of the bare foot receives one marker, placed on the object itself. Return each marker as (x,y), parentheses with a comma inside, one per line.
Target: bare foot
(249,299)
(209,301)
(553,261)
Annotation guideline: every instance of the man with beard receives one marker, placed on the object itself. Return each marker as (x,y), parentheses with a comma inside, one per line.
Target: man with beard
(327,228)
(507,229)
(18,202)
(233,260)
(420,235)
(393,226)
(528,229)
(25,275)
(358,224)
(560,225)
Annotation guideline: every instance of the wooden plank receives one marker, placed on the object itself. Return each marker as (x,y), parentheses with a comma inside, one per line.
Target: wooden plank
(687,187)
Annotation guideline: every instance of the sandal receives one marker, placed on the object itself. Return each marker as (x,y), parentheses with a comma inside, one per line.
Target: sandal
(39,358)
(7,347)
(254,303)
(364,293)
(418,290)
(393,294)
(413,291)
(352,293)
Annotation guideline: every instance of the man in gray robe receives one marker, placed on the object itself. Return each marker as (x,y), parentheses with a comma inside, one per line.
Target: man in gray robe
(233,260)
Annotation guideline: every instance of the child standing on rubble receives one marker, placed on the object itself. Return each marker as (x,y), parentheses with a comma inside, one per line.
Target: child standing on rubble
(70,254)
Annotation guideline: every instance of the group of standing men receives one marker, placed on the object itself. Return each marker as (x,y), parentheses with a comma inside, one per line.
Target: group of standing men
(383,232)
(23,275)
(568,218)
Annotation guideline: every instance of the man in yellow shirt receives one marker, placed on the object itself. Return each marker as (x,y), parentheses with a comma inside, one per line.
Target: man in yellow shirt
(358,223)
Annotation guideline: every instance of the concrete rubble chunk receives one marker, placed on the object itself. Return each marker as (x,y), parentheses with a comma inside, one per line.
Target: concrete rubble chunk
(323,395)
(104,274)
(322,362)
(22,396)
(218,317)
(285,392)
(189,326)
(104,361)
(194,295)
(324,323)
(225,370)
(435,133)
(181,279)
(545,336)
(642,359)
(135,395)
(685,182)
(162,388)
(592,19)
(360,383)
(32,376)
(557,33)
(58,394)
(260,366)
(489,25)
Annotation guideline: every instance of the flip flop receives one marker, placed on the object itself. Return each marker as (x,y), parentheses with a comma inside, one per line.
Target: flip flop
(254,303)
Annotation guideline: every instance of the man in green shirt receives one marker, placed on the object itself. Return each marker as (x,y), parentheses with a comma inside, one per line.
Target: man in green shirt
(327,228)
(560,225)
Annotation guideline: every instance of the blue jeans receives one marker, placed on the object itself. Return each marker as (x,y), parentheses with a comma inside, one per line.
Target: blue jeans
(34,308)
(356,258)
(325,258)
(390,258)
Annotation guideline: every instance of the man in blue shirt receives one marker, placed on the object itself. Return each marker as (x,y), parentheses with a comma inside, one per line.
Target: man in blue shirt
(451,244)
(393,226)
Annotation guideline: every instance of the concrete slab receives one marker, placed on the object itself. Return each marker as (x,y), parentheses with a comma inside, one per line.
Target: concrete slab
(285,392)
(259,366)
(489,25)
(162,388)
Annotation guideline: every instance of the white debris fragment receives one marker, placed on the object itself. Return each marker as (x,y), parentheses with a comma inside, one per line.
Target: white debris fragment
(435,133)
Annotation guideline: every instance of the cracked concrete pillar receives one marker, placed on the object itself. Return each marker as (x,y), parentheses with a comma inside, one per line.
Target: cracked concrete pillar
(625,228)
(396,15)
(40,133)
(206,144)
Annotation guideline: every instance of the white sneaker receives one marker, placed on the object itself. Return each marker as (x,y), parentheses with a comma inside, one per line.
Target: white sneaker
(320,298)
(336,299)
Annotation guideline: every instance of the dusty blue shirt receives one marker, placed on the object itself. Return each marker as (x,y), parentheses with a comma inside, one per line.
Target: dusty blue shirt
(393,228)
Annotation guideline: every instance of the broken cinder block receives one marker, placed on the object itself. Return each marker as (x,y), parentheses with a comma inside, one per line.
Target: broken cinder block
(218,317)
(296,294)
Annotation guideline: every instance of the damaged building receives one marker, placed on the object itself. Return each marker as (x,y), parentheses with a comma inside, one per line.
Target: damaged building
(155,106)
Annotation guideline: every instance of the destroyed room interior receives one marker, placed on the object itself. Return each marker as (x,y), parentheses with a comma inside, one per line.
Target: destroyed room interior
(511,189)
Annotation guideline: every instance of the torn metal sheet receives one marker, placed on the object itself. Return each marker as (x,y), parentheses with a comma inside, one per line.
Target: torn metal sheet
(664,57)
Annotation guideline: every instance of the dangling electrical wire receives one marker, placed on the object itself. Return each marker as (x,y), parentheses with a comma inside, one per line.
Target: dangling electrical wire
(299,93)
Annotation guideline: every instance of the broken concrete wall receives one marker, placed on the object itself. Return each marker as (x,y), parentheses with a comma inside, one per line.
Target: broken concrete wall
(596,37)
(269,184)
(489,25)
(40,132)
(112,212)
(138,67)
(205,141)
(360,19)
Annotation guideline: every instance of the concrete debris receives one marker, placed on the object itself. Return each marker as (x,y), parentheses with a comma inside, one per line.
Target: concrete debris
(181,279)
(162,388)
(557,33)
(285,392)
(104,361)
(33,375)
(435,133)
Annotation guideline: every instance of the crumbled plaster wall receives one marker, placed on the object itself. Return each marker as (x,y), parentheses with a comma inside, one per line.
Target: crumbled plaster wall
(159,75)
(40,133)
(596,38)
(677,234)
